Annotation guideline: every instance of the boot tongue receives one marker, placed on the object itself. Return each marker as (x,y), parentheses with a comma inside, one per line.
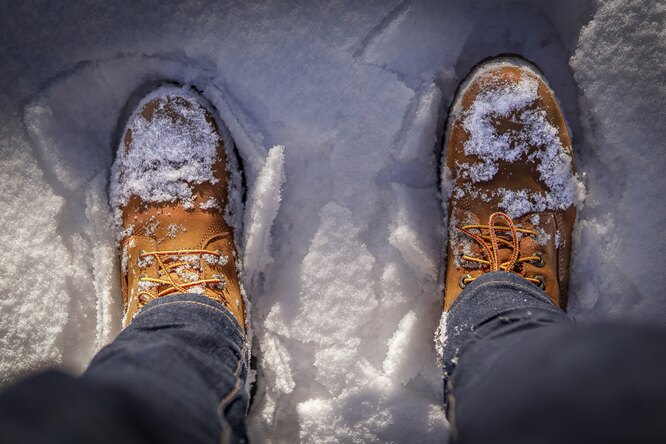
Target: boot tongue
(184,275)
(190,228)
(505,254)
(187,230)
(526,244)
(172,226)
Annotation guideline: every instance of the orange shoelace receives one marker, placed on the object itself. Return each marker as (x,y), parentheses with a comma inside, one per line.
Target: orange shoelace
(167,269)
(490,242)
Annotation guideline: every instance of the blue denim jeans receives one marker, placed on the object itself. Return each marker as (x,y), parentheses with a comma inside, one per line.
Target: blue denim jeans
(518,370)
(176,374)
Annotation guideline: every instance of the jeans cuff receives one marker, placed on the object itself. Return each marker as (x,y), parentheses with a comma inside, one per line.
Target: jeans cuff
(495,292)
(194,302)
(486,298)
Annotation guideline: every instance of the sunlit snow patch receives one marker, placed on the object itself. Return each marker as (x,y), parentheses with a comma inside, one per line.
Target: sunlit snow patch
(260,212)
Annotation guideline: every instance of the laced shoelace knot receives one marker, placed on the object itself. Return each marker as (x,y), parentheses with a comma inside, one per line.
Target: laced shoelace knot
(490,242)
(170,265)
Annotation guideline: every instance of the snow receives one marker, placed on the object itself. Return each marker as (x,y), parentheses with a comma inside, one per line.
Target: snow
(343,227)
(620,65)
(260,212)
(210,204)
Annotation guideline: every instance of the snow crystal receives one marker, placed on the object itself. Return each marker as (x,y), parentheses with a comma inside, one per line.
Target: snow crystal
(126,232)
(222,284)
(517,203)
(185,274)
(145,261)
(502,101)
(441,336)
(124,258)
(477,172)
(174,229)
(198,289)
(213,259)
(193,260)
(210,204)
(146,285)
(150,227)
(535,219)
(187,203)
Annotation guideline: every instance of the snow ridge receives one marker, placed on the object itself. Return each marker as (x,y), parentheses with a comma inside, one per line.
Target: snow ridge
(260,212)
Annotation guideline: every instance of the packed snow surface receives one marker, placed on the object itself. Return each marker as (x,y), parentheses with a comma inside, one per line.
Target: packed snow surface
(343,223)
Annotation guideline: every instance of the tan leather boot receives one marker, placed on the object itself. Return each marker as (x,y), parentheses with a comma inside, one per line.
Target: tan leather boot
(176,195)
(510,164)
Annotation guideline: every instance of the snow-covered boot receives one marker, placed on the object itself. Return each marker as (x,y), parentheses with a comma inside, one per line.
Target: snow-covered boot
(176,199)
(509,167)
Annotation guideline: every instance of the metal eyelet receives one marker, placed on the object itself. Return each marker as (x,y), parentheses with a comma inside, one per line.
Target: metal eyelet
(541,262)
(463,278)
(144,299)
(542,281)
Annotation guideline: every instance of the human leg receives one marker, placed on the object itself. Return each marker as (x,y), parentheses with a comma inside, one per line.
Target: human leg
(178,370)
(516,368)
(175,374)
(496,305)
(186,351)
(519,371)
(509,167)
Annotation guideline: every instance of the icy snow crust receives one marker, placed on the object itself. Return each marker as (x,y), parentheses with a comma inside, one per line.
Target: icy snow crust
(343,228)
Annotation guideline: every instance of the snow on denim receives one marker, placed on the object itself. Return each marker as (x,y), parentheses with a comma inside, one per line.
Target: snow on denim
(518,370)
(175,374)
